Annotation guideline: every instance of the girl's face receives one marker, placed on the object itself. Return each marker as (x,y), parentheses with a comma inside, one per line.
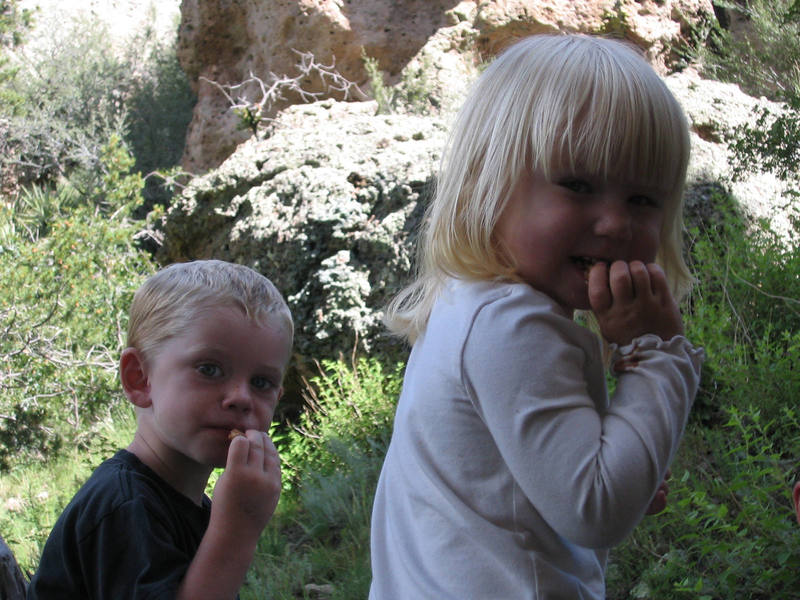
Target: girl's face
(555,229)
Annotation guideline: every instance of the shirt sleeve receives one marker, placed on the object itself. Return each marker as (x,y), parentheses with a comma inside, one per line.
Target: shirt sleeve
(588,469)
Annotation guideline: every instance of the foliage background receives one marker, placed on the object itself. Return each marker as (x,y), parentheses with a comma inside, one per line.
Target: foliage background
(77,188)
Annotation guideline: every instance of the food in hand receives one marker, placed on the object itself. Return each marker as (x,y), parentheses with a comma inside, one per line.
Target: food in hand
(235,433)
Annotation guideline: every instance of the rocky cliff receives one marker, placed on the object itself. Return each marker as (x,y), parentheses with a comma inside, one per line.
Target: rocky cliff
(224,41)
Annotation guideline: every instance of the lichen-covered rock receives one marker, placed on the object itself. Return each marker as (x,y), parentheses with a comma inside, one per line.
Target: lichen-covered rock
(328,207)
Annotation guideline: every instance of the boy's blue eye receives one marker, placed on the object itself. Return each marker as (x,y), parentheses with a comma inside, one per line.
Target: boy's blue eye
(578,186)
(209,370)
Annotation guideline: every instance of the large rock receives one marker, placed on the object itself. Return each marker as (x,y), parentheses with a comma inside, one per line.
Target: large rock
(224,41)
(327,207)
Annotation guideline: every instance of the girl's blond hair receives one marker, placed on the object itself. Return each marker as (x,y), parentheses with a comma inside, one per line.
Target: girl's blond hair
(592,102)
(169,300)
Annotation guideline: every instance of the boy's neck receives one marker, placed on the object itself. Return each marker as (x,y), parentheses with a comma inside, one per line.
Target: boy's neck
(187,479)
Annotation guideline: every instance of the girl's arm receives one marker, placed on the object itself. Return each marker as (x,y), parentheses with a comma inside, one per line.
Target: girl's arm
(589,467)
(244,500)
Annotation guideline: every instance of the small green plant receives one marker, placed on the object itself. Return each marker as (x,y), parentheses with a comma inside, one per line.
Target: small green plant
(319,539)
(32,495)
(414,94)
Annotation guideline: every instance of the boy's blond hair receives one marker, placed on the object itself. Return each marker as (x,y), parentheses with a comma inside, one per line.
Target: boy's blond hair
(167,302)
(591,104)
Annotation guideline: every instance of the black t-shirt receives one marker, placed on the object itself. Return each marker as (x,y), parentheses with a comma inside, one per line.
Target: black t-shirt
(127,534)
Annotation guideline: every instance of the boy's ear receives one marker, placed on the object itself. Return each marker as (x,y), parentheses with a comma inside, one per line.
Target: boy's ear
(796,498)
(133,375)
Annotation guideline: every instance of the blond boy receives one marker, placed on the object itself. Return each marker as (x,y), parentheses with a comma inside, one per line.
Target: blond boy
(208,345)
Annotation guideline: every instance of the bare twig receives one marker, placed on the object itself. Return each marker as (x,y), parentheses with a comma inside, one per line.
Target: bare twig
(254,108)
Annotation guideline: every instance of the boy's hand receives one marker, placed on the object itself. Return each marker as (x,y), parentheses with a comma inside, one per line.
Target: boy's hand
(245,497)
(247,492)
(632,299)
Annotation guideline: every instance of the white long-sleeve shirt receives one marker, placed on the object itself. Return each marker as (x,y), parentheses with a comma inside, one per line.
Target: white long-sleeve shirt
(510,473)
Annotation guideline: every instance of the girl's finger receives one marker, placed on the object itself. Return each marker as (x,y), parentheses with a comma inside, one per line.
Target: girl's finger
(658,280)
(640,277)
(599,292)
(619,279)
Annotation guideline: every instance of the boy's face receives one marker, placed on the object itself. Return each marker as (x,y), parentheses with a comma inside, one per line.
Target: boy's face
(223,372)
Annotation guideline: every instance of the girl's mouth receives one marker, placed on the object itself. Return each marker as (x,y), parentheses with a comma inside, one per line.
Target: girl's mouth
(585,263)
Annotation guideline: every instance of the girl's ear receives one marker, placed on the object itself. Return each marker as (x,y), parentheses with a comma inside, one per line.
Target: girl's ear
(796,498)
(133,375)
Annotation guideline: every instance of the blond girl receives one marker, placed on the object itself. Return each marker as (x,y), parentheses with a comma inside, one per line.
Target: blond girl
(510,471)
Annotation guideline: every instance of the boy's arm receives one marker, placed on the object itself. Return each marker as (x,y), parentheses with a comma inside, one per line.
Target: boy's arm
(244,499)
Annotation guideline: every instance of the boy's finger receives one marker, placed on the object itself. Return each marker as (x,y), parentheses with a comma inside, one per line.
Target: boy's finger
(237,450)
(271,456)
(257,445)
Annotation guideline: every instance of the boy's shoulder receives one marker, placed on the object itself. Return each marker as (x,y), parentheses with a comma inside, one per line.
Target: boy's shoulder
(116,484)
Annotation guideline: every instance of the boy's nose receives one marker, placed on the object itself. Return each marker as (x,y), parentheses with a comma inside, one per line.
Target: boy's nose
(614,220)
(239,396)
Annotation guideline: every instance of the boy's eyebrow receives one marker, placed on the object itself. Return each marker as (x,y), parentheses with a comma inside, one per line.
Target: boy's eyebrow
(201,349)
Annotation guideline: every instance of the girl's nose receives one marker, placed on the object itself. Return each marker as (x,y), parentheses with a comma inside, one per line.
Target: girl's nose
(613,220)
(239,397)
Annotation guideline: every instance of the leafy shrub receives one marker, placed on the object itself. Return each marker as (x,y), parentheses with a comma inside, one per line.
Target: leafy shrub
(729,531)
(69,268)
(51,132)
(330,462)
(76,90)
(762,53)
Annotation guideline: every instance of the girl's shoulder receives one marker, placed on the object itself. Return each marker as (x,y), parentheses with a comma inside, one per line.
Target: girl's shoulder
(476,294)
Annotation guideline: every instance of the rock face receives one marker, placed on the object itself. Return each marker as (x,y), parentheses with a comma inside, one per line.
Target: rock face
(226,40)
(328,206)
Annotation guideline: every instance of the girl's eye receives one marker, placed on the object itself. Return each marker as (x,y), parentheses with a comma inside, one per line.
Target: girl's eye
(645,201)
(209,370)
(261,383)
(578,186)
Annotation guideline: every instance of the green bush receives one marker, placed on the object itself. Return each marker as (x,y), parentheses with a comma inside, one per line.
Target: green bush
(75,91)
(69,268)
(762,54)
(729,531)
(331,462)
